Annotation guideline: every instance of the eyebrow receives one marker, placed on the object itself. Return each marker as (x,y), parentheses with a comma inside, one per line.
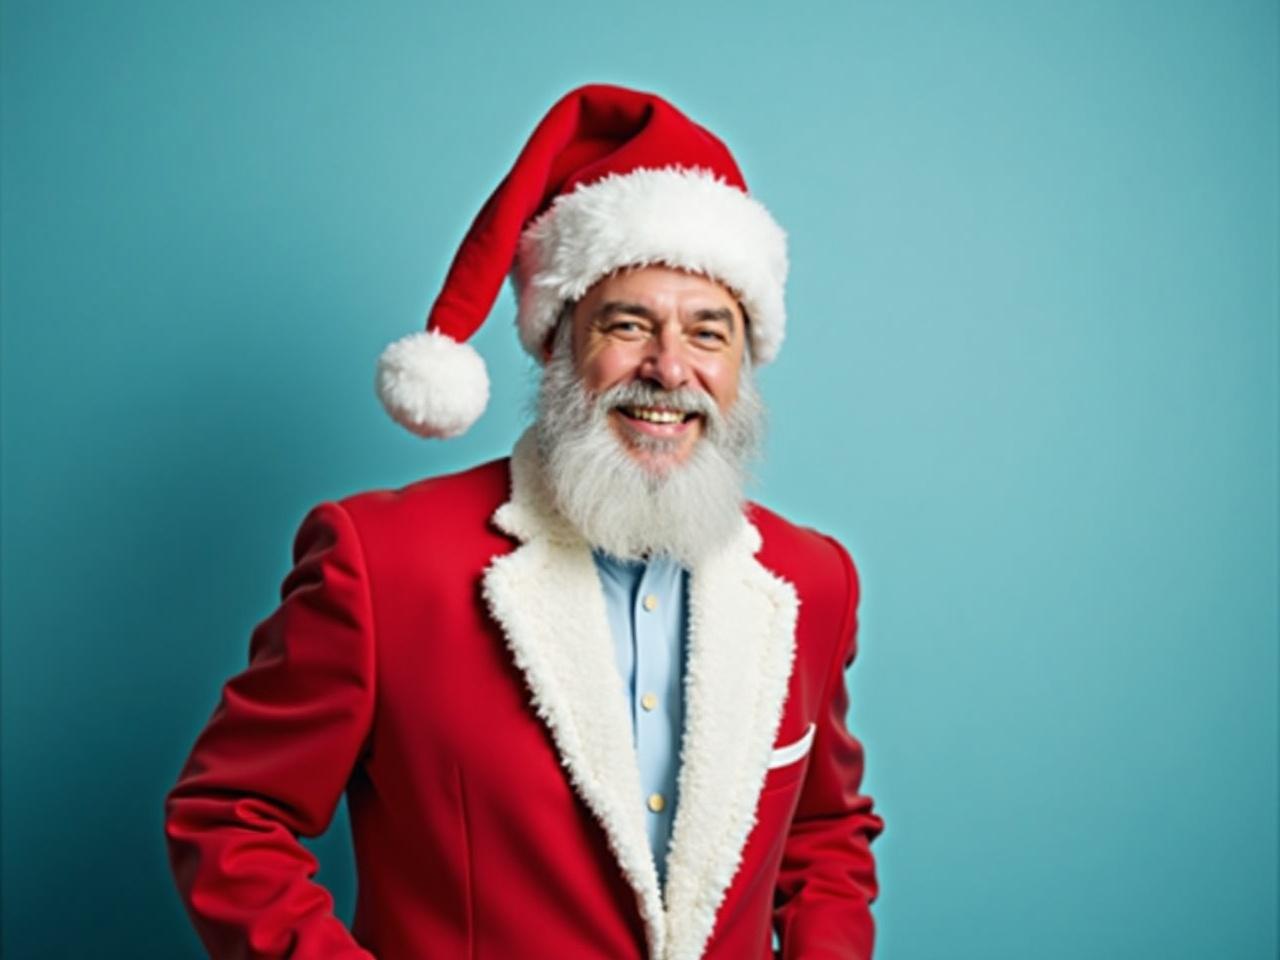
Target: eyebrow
(614,307)
(721,314)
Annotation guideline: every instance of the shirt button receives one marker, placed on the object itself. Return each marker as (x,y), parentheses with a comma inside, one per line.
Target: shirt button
(657,802)
(649,701)
(650,602)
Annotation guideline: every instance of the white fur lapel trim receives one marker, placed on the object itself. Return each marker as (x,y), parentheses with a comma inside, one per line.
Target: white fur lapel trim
(546,596)
(741,648)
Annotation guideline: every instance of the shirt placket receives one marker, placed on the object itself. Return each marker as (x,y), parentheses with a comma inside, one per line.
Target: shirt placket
(655,704)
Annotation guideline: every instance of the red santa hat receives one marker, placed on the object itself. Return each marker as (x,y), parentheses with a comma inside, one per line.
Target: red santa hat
(610,178)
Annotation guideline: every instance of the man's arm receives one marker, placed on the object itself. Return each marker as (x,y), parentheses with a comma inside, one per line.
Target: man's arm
(828,879)
(274,759)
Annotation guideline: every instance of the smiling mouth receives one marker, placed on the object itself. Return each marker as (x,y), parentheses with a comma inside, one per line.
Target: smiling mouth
(663,416)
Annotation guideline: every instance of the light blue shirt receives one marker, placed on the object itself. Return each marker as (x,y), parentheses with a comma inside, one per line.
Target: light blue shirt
(646,607)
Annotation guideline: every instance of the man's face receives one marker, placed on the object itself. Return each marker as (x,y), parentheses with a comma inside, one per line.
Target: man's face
(667,330)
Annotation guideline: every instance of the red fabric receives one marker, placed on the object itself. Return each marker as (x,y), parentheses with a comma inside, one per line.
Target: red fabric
(381,673)
(589,133)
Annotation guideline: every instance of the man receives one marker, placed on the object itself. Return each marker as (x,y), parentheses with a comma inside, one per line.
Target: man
(584,702)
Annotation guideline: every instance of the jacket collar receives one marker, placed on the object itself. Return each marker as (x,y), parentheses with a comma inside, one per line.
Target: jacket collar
(546,597)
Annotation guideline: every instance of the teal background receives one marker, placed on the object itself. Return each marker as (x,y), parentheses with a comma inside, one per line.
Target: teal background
(1030,380)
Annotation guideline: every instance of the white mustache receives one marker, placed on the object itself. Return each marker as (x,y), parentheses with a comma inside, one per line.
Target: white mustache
(638,394)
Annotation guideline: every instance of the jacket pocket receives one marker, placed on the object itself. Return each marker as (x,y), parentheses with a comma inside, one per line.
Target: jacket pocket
(793,752)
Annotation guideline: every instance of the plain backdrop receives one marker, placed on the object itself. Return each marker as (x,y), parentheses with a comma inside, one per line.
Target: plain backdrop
(1030,380)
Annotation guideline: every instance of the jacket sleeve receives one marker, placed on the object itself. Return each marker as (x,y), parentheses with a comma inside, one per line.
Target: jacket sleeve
(274,759)
(827,879)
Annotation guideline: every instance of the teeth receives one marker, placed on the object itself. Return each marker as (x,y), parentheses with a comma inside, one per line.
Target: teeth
(650,415)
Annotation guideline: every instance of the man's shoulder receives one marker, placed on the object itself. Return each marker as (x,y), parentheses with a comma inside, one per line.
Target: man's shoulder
(448,504)
(778,532)
(806,557)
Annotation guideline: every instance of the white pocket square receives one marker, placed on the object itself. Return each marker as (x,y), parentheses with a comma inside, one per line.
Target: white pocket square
(792,752)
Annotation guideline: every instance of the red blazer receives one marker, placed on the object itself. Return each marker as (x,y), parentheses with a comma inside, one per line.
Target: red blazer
(440,654)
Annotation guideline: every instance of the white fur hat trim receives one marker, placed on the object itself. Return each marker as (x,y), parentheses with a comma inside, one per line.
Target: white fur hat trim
(684,218)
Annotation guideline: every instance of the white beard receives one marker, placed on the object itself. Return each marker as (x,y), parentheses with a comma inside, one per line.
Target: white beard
(618,505)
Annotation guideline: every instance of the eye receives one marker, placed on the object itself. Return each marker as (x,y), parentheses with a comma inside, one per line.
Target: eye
(624,328)
(710,335)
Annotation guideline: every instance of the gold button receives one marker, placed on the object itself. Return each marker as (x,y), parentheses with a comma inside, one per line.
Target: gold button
(650,602)
(649,701)
(657,802)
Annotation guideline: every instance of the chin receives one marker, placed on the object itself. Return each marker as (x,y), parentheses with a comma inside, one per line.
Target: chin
(657,462)
(657,457)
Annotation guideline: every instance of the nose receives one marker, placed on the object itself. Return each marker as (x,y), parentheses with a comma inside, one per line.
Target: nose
(664,363)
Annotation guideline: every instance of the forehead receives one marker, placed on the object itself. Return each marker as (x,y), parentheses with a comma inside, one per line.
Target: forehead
(659,285)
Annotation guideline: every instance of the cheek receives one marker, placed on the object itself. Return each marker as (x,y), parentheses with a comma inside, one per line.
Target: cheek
(604,366)
(720,379)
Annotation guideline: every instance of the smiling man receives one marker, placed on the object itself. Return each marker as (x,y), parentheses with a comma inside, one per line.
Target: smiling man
(587,701)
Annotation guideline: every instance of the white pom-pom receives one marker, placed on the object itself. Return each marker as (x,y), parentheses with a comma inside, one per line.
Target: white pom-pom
(432,384)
